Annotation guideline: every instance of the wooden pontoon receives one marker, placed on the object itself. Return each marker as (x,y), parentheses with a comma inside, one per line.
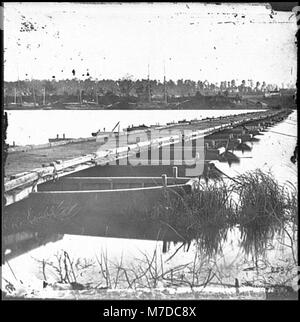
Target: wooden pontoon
(27,169)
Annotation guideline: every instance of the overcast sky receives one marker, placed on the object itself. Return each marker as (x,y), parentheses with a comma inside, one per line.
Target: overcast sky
(196,41)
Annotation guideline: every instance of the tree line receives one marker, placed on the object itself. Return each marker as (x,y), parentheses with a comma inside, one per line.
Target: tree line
(126,87)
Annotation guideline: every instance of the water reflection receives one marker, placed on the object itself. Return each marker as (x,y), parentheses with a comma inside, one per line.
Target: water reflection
(25,241)
(209,232)
(105,262)
(218,243)
(243,147)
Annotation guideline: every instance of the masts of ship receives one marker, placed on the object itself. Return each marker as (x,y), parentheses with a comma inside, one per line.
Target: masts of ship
(80,93)
(16,92)
(149,89)
(20,93)
(19,90)
(33,94)
(44,96)
(96,92)
(15,100)
(165,85)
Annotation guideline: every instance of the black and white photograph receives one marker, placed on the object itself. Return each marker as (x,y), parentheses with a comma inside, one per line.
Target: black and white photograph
(149,152)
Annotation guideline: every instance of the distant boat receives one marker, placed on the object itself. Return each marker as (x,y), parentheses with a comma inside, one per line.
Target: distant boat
(183,121)
(136,128)
(104,133)
(58,139)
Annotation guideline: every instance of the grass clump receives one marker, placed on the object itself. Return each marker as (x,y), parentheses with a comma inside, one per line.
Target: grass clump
(262,209)
(204,214)
(260,197)
(255,202)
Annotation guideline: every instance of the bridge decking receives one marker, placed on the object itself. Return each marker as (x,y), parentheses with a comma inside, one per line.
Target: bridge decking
(18,162)
(24,170)
(22,161)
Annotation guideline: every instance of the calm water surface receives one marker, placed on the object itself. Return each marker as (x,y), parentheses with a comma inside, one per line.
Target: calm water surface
(271,153)
(36,127)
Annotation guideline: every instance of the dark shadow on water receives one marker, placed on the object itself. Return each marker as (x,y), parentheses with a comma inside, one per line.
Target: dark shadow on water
(229,158)
(204,216)
(243,147)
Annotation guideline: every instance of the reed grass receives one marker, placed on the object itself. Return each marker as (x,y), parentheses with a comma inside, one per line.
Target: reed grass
(262,210)
(254,201)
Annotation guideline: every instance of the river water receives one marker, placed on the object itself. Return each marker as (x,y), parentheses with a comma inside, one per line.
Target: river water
(36,127)
(271,153)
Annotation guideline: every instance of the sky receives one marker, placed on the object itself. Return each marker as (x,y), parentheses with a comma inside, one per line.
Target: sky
(110,41)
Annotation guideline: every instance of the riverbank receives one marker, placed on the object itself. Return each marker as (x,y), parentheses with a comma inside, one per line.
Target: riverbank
(197,102)
(136,107)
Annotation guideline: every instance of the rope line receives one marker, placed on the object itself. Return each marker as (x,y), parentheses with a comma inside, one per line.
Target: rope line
(294,136)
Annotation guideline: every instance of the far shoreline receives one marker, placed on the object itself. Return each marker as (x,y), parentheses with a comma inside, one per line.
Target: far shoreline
(128,109)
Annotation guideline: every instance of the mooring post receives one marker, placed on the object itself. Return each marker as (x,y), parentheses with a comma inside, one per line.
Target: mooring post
(175,172)
(164,180)
(64,136)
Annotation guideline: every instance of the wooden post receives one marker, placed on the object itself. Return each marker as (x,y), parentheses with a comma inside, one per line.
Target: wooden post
(33,93)
(164,180)
(175,172)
